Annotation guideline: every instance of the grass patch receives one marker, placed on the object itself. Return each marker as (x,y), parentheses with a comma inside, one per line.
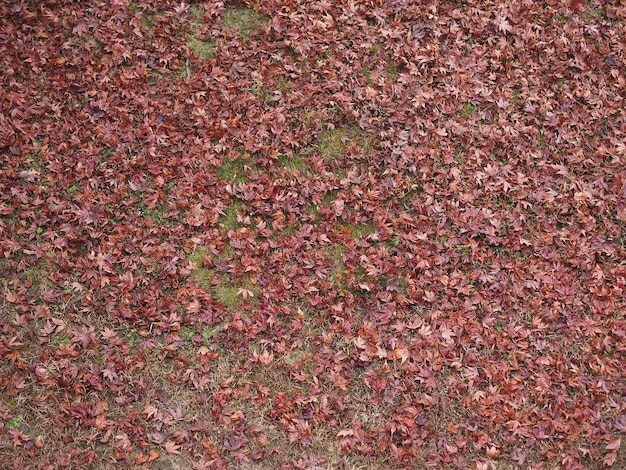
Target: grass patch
(516,98)
(592,14)
(148,19)
(201,276)
(230,294)
(468,109)
(16,422)
(332,143)
(197,255)
(294,161)
(244,20)
(360,231)
(464,250)
(392,71)
(202,49)
(186,70)
(320,209)
(258,89)
(229,220)
(36,277)
(234,171)
(339,270)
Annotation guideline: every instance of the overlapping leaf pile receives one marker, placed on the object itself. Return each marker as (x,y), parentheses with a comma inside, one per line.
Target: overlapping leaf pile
(366,234)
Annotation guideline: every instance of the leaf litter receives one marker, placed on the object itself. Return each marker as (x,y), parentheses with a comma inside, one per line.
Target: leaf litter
(284,234)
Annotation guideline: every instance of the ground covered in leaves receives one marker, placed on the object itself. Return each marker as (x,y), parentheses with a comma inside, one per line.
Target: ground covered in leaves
(316,235)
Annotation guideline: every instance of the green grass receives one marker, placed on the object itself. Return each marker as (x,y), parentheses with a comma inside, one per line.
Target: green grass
(258,89)
(393,242)
(464,250)
(367,73)
(37,273)
(516,98)
(197,255)
(186,70)
(208,333)
(332,142)
(230,294)
(229,220)
(202,49)
(234,171)
(467,110)
(16,422)
(326,201)
(392,71)
(592,14)
(335,254)
(197,12)
(360,231)
(292,162)
(202,276)
(147,19)
(244,20)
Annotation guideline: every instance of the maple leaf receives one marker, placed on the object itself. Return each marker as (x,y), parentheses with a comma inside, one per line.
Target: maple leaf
(109,374)
(87,217)
(172,447)
(234,442)
(151,411)
(182,8)
(609,459)
(359,342)
(30,175)
(79,29)
(81,336)
(446,333)
(502,24)
(266,358)
(13,343)
(108,333)
(245,293)
(401,353)
(156,437)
